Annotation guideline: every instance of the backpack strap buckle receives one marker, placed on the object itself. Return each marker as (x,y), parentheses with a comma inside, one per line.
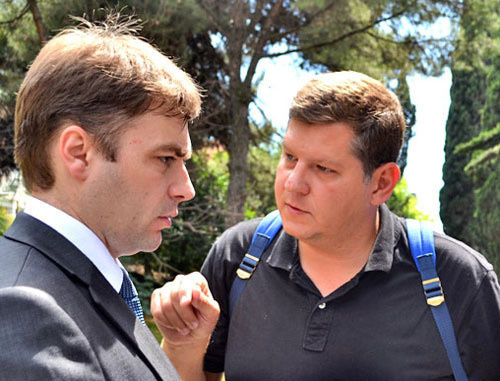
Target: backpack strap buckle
(247,266)
(433,291)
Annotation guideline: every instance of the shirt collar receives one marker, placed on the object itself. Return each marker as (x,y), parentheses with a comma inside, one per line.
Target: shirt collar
(382,254)
(284,253)
(79,235)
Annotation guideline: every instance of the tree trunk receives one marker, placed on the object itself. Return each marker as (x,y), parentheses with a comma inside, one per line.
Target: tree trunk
(238,164)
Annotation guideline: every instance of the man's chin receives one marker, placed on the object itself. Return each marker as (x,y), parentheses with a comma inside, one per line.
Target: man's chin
(294,229)
(154,245)
(147,246)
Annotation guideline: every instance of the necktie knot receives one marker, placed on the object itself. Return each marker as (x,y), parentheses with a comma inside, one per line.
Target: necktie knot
(129,294)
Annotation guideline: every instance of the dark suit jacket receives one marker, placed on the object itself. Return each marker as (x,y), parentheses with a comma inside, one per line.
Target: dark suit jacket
(61,320)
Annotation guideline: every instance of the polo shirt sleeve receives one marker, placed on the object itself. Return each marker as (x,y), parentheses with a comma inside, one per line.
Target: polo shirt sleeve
(472,294)
(480,339)
(220,270)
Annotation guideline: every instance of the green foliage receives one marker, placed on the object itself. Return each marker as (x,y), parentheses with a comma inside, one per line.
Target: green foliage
(485,148)
(404,204)
(470,198)
(464,123)
(487,215)
(382,38)
(5,220)
(262,164)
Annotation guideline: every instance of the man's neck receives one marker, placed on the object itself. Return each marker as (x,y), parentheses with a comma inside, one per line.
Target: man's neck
(332,264)
(57,200)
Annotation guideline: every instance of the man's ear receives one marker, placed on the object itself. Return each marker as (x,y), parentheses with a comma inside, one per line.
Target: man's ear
(75,147)
(384,179)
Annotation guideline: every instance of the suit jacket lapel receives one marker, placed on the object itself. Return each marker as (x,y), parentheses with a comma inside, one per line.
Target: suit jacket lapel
(135,331)
(35,233)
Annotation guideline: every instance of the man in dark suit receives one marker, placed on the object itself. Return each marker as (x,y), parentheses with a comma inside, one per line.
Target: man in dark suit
(101,140)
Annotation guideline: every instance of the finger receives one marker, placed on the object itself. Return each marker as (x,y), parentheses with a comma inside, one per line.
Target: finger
(164,320)
(200,280)
(166,306)
(184,307)
(206,306)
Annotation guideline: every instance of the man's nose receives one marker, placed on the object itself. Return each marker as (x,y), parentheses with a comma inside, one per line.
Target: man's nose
(182,189)
(296,180)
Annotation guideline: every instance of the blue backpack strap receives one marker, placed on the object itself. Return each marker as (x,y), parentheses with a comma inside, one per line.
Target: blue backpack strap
(267,229)
(421,240)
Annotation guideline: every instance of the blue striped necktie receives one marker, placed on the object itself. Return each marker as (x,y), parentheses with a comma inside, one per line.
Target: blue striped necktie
(129,294)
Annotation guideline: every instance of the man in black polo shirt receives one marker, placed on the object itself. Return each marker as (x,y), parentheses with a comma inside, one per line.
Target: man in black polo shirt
(337,295)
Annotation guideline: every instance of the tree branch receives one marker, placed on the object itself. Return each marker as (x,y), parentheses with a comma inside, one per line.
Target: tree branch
(309,20)
(259,46)
(406,42)
(256,17)
(211,17)
(338,39)
(163,263)
(25,10)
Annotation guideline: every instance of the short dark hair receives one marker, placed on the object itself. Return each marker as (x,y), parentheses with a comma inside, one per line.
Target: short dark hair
(368,107)
(98,76)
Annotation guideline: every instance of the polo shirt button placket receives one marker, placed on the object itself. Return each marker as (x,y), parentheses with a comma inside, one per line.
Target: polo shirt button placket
(318,327)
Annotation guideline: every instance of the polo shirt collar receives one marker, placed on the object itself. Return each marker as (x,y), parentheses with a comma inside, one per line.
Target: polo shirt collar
(382,254)
(285,254)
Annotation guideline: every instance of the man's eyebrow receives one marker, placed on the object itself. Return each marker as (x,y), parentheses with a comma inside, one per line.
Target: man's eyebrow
(176,149)
(326,161)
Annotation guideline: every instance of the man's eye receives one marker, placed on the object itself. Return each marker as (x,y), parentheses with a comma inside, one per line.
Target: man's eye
(289,157)
(324,169)
(166,159)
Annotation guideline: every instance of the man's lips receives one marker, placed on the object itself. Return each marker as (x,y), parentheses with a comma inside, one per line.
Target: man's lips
(166,220)
(294,209)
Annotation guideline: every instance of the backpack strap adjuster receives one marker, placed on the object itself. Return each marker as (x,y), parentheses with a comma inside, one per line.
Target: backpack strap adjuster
(247,266)
(268,227)
(433,292)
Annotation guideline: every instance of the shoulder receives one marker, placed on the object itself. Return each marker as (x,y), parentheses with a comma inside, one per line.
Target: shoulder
(457,252)
(466,275)
(13,256)
(233,243)
(32,307)
(453,253)
(465,268)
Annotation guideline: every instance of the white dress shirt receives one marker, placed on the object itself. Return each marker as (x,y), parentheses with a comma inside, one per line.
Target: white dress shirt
(80,236)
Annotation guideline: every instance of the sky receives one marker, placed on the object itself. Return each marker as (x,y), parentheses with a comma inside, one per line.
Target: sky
(281,78)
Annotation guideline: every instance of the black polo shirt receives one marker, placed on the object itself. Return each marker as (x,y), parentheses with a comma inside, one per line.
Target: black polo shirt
(375,327)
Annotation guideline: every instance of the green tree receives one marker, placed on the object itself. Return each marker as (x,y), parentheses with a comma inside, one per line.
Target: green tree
(468,96)
(464,122)
(404,203)
(484,169)
(467,199)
